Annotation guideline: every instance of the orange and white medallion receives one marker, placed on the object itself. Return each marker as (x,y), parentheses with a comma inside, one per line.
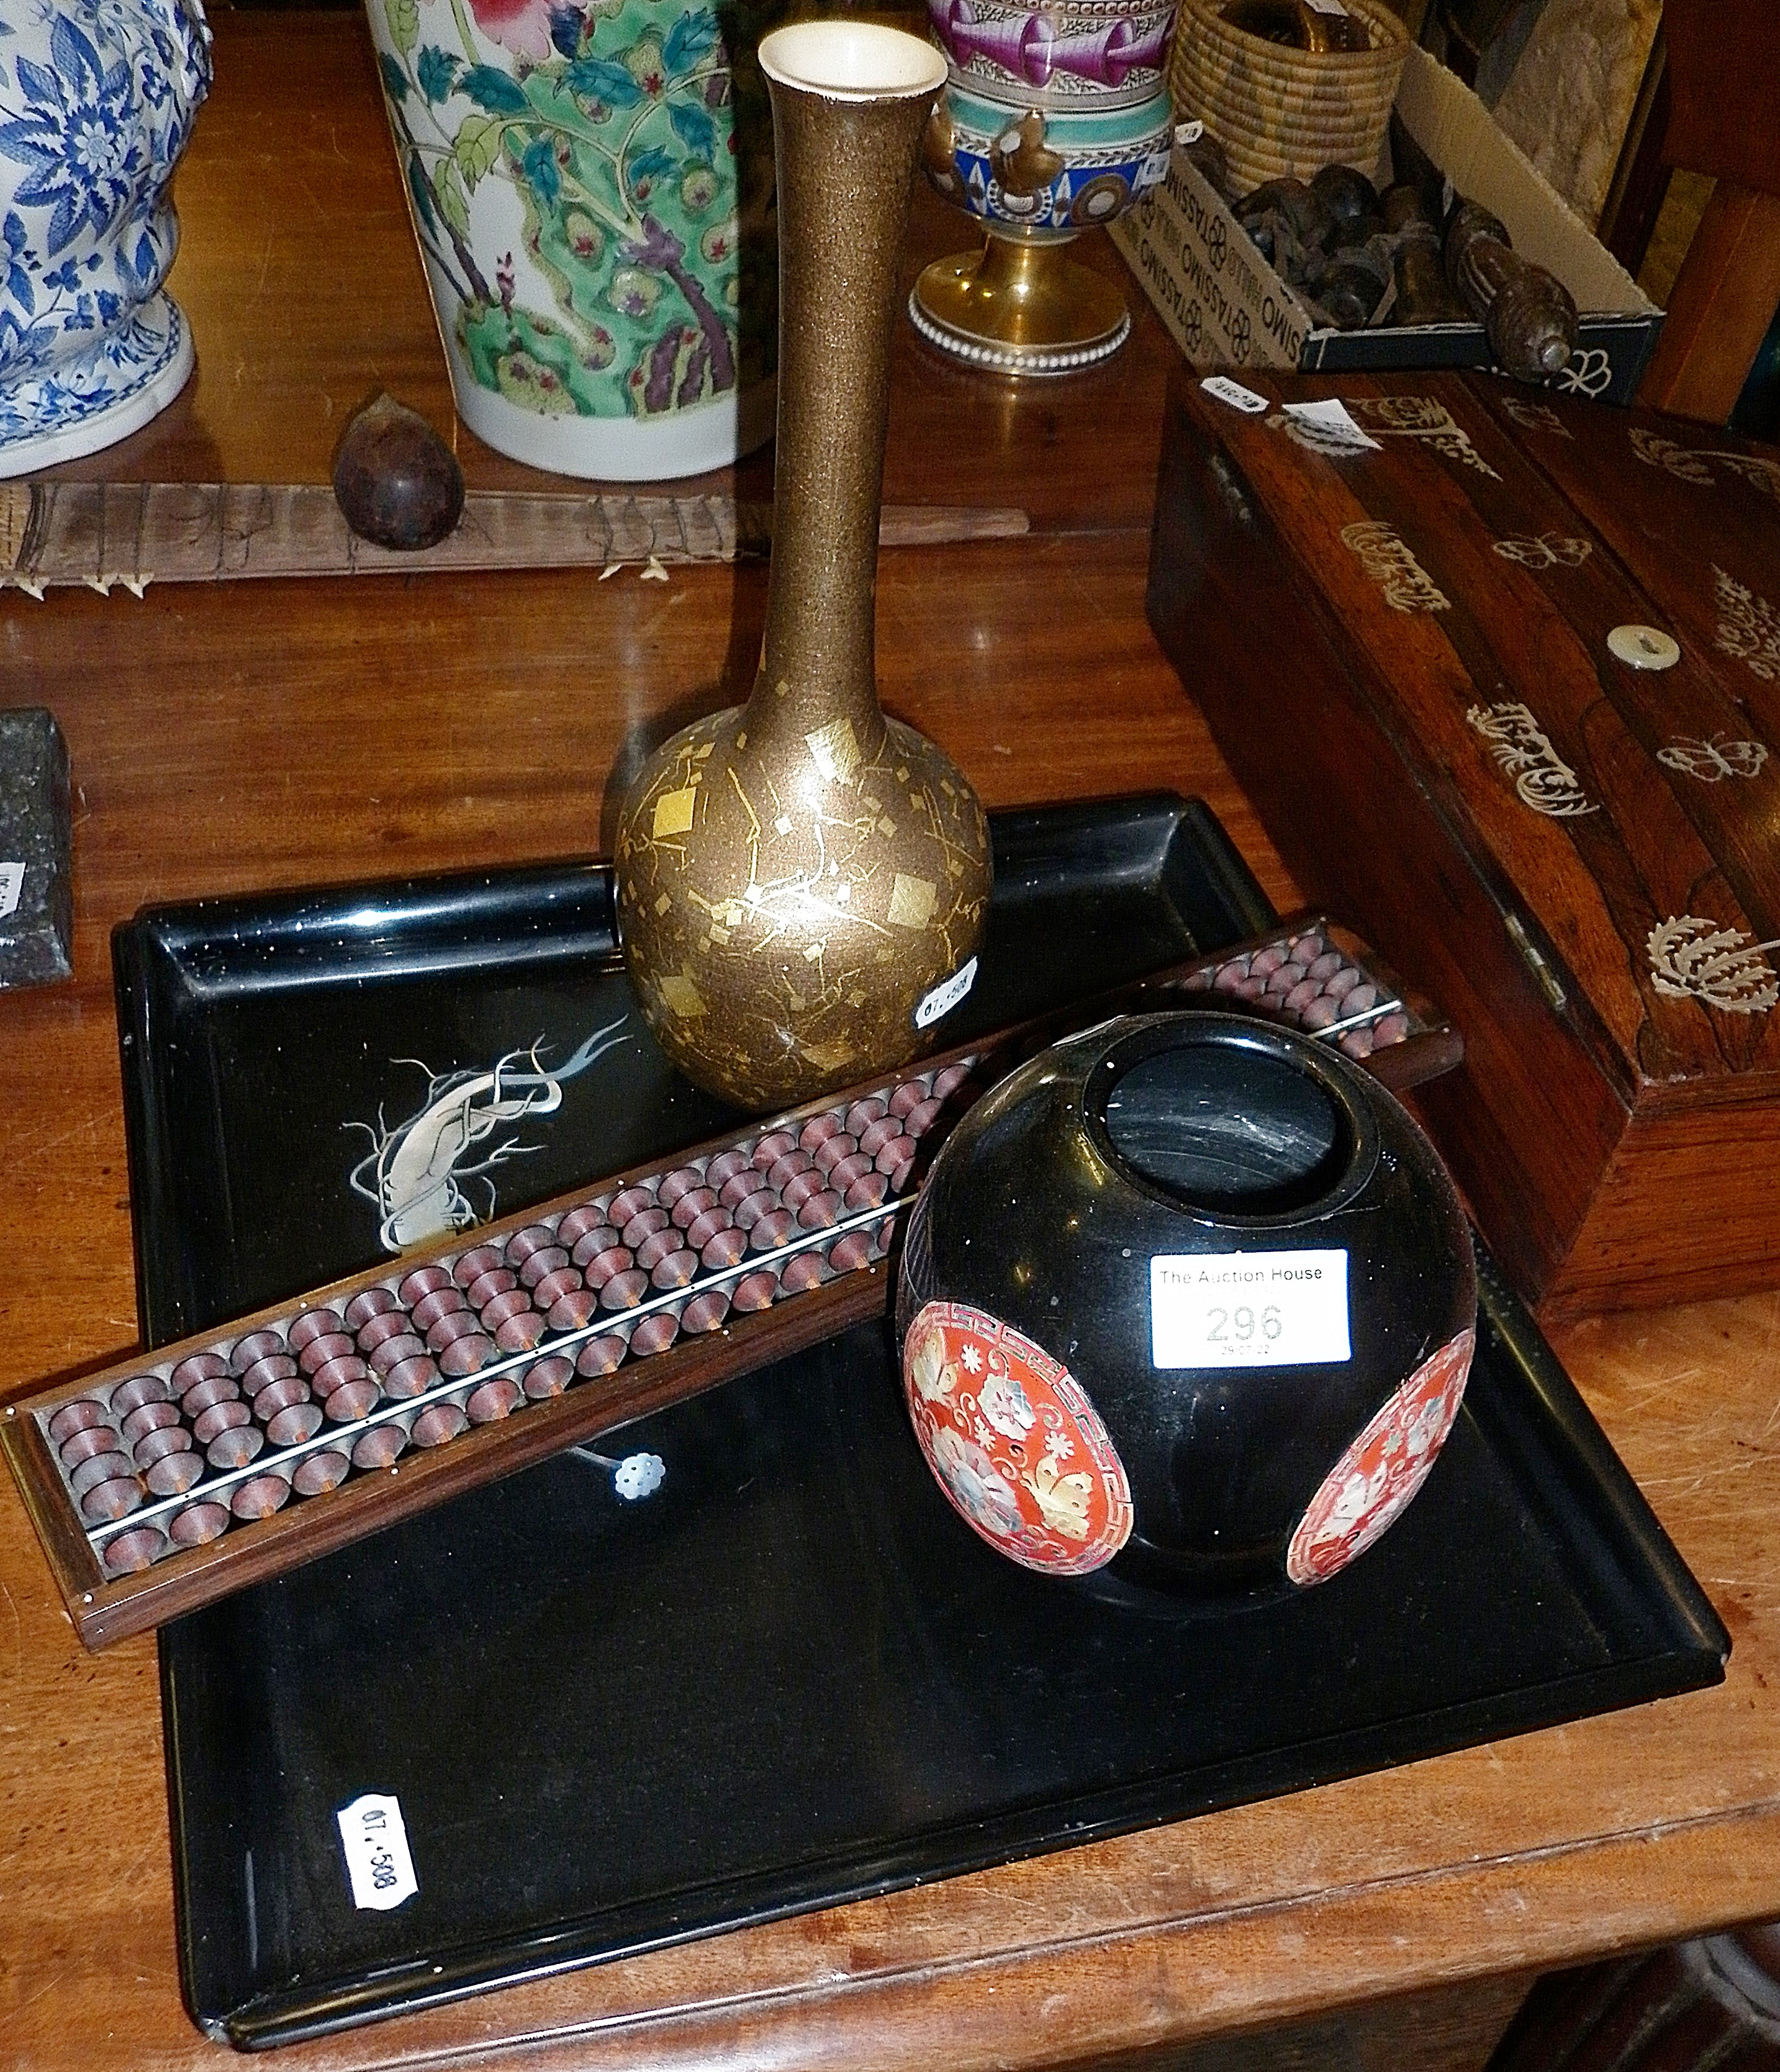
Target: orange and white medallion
(1374,1479)
(1014,1442)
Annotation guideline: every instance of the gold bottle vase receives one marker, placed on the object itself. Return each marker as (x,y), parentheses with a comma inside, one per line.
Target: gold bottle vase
(802,882)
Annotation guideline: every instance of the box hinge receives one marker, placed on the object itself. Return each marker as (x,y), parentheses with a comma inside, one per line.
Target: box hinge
(1537,962)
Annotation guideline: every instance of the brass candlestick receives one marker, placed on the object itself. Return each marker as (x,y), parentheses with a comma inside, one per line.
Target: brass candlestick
(802,882)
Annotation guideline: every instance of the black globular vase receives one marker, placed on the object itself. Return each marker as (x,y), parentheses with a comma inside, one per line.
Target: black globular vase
(1189,1298)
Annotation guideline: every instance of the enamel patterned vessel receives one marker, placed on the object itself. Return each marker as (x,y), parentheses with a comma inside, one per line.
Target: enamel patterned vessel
(1190,1300)
(591,189)
(1055,119)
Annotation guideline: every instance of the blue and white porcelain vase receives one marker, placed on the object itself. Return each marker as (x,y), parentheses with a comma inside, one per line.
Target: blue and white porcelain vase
(97,101)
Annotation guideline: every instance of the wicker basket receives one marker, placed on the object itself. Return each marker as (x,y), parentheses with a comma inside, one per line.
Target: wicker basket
(1281,112)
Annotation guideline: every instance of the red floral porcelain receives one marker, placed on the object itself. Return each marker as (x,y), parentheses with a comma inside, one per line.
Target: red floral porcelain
(1374,1479)
(1014,1442)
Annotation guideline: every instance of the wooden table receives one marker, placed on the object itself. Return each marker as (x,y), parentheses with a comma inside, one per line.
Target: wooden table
(246,735)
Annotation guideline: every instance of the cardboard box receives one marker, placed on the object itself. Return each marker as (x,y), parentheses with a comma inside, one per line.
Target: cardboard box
(1227,308)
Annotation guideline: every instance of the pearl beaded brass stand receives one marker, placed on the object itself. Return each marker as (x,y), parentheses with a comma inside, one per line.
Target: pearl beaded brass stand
(1019,306)
(184,1473)
(802,882)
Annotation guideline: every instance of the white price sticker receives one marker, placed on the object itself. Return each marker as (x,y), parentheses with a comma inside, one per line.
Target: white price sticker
(1249,1309)
(946,996)
(12,883)
(1335,429)
(1233,392)
(377,1858)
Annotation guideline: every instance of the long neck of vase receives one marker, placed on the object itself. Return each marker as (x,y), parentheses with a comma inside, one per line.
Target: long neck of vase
(844,164)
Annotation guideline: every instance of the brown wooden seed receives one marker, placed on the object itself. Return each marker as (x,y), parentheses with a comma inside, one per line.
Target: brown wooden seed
(397,483)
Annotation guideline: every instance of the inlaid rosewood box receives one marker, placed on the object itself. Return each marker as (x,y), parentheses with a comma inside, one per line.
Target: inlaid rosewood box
(1434,656)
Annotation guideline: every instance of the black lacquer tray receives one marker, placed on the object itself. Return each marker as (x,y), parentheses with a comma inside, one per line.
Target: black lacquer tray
(790,1676)
(269,1042)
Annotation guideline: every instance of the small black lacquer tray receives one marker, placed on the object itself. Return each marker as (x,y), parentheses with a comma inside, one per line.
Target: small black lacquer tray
(790,1676)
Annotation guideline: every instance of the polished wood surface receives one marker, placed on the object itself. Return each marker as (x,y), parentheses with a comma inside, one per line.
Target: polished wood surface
(1720,309)
(1599,1098)
(229,737)
(1725,115)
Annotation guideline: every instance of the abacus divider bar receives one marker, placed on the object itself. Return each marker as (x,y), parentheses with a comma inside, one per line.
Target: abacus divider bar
(43,1402)
(1375,1013)
(274,1546)
(1313,921)
(1433,1047)
(330,1437)
(1415,1004)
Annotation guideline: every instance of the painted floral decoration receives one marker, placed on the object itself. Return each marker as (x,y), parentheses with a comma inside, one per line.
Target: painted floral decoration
(97,101)
(1371,1485)
(1014,1441)
(627,146)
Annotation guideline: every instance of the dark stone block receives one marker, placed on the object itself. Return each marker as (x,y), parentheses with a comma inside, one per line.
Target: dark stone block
(36,876)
